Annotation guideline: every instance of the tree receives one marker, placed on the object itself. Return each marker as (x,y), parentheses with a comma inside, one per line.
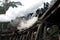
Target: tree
(6,5)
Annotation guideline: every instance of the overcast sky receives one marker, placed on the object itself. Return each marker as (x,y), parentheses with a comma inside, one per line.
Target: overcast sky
(28,7)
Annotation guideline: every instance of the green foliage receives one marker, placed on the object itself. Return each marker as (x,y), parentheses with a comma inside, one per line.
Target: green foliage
(3,25)
(6,5)
(53,29)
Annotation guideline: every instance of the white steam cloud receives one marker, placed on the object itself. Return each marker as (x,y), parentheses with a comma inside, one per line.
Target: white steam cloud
(28,7)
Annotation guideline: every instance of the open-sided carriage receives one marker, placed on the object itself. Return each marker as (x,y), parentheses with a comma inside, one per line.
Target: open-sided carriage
(46,28)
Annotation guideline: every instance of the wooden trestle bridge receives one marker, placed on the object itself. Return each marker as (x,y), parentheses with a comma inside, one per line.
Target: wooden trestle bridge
(50,19)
